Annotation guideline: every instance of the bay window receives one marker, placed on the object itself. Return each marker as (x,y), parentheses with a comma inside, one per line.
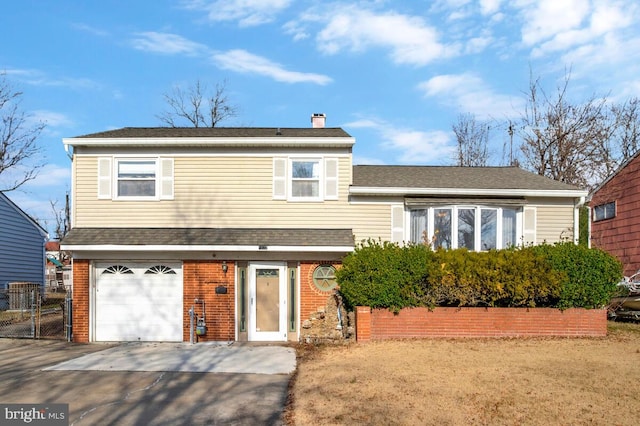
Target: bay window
(476,228)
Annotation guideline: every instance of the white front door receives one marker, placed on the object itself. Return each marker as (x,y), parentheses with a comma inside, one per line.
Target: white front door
(267,302)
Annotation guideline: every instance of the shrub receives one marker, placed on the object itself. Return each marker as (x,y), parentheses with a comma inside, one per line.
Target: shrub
(386,275)
(590,275)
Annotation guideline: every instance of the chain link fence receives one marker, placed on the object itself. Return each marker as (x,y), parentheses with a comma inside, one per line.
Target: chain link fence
(26,311)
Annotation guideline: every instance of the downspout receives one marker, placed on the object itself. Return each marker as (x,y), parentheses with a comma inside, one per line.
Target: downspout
(576,220)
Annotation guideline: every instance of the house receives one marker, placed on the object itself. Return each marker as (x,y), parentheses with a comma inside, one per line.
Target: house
(58,275)
(615,215)
(237,232)
(22,239)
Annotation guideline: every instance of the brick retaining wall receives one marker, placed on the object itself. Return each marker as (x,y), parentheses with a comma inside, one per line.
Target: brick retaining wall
(380,324)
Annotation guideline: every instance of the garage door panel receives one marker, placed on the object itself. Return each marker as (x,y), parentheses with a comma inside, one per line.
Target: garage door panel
(135,305)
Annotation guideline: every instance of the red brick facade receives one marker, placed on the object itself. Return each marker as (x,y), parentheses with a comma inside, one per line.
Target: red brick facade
(311,298)
(201,279)
(80,313)
(380,324)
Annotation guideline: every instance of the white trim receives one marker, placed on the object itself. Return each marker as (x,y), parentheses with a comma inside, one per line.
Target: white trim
(194,248)
(213,141)
(252,333)
(456,191)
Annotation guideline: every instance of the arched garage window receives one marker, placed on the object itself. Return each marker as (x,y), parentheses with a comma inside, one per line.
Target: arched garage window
(160,269)
(117,269)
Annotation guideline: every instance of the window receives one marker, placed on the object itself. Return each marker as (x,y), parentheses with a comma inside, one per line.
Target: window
(475,228)
(604,211)
(305,179)
(135,178)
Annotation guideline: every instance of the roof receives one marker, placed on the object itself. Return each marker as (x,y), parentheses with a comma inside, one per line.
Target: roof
(22,213)
(456,178)
(264,237)
(219,132)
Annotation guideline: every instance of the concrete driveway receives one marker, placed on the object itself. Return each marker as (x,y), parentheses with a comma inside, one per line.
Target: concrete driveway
(149,383)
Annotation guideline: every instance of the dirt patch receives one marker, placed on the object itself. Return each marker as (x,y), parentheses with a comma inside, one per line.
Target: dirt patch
(536,381)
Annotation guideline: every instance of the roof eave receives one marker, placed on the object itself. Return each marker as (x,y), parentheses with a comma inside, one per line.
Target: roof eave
(199,248)
(212,141)
(361,190)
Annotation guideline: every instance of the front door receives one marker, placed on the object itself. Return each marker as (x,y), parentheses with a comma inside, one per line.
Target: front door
(267,302)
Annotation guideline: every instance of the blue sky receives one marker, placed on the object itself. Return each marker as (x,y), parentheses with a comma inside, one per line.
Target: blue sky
(395,75)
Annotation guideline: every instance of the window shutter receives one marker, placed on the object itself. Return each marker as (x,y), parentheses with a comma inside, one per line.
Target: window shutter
(166,178)
(529,235)
(279,178)
(397,223)
(331,178)
(104,177)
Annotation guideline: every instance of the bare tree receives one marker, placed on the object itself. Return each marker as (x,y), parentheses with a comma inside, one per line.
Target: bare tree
(565,141)
(197,107)
(472,138)
(626,135)
(19,149)
(61,216)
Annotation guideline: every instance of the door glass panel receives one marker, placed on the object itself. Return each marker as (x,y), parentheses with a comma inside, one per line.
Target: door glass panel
(267,300)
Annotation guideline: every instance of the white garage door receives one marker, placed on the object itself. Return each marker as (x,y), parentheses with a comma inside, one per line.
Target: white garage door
(138,302)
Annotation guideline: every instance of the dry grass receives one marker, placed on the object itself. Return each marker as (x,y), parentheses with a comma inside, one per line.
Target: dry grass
(471,381)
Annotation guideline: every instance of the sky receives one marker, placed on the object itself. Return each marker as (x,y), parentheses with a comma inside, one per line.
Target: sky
(394,74)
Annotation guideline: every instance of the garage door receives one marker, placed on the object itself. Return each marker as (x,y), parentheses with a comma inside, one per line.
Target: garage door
(138,302)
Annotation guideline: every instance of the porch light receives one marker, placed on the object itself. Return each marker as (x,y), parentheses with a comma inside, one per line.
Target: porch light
(225,267)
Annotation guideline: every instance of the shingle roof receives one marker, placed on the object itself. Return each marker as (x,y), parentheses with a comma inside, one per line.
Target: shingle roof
(210,236)
(220,132)
(449,177)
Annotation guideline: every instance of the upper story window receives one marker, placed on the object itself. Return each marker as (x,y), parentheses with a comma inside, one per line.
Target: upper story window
(604,211)
(305,178)
(135,178)
(476,228)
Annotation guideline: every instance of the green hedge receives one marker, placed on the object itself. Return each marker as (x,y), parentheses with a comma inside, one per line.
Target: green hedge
(386,275)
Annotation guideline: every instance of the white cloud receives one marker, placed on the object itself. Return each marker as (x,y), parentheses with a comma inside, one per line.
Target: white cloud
(544,19)
(468,93)
(167,43)
(488,7)
(354,28)
(239,60)
(247,12)
(50,118)
(38,78)
(89,29)
(411,146)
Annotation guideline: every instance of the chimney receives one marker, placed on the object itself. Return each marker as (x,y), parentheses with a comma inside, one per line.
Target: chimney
(318,120)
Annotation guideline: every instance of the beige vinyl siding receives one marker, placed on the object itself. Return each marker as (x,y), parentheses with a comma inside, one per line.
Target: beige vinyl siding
(554,221)
(225,191)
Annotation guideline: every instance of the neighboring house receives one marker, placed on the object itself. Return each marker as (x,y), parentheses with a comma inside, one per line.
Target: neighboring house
(22,255)
(615,215)
(58,267)
(245,226)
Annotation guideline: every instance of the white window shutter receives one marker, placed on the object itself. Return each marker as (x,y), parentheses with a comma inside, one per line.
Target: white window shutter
(279,178)
(529,225)
(331,178)
(166,179)
(104,177)
(397,223)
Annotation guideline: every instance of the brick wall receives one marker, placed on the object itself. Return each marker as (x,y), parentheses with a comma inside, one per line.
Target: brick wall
(80,312)
(380,324)
(312,300)
(201,278)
